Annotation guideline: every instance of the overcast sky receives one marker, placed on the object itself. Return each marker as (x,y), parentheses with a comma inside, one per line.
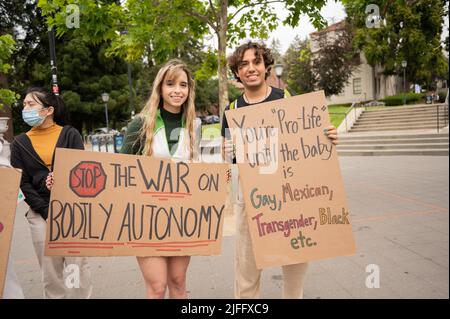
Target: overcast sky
(332,12)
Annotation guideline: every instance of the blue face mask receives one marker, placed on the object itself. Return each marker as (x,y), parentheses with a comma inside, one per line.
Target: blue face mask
(32,117)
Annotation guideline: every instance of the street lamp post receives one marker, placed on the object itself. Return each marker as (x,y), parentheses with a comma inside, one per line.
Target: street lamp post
(404,64)
(105,98)
(278,72)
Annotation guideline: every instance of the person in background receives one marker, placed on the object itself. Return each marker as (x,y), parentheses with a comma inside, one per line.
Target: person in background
(33,152)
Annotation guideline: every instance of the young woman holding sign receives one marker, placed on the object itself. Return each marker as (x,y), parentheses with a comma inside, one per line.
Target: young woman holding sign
(33,152)
(165,128)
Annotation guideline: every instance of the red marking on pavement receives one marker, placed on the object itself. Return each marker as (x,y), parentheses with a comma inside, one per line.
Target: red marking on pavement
(1,227)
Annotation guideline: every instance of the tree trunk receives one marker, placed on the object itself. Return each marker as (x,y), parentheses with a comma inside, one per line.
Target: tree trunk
(374,83)
(222,59)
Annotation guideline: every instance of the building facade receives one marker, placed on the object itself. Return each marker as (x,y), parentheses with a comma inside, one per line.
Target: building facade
(366,83)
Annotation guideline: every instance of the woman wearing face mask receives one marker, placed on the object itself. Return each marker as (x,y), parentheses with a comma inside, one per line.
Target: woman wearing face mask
(33,152)
(165,128)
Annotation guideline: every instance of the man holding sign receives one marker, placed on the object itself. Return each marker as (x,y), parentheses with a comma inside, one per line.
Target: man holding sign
(251,64)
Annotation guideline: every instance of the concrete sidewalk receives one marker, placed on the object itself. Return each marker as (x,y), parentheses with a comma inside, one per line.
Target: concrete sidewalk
(400,216)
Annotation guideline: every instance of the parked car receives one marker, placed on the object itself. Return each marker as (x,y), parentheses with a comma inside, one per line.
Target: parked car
(210,119)
(103,130)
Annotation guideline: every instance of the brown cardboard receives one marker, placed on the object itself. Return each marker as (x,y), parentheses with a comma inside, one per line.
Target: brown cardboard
(298,212)
(106,204)
(9,189)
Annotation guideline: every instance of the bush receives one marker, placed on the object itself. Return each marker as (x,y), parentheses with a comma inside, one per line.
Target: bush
(395,100)
(442,95)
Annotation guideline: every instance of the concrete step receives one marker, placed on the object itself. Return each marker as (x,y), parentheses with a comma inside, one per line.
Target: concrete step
(399,124)
(422,141)
(392,146)
(394,127)
(403,115)
(403,119)
(406,110)
(375,129)
(404,152)
(396,135)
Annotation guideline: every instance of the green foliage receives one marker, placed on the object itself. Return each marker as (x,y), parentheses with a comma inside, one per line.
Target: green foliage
(207,93)
(339,107)
(395,100)
(275,48)
(233,92)
(100,19)
(211,131)
(337,113)
(208,67)
(334,63)
(328,69)
(6,50)
(8,97)
(7,47)
(156,29)
(410,32)
(297,64)
(442,95)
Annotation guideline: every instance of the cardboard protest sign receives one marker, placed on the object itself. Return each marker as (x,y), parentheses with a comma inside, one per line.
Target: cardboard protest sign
(106,204)
(291,182)
(9,189)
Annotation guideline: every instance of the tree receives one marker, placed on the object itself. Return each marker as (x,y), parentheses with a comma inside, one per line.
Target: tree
(85,72)
(328,68)
(335,60)
(275,47)
(18,20)
(7,97)
(7,47)
(403,30)
(298,67)
(151,23)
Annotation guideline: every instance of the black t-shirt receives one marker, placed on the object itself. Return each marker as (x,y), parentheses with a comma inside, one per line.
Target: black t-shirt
(172,125)
(275,94)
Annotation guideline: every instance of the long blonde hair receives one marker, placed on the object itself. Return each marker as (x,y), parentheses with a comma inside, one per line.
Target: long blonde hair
(170,70)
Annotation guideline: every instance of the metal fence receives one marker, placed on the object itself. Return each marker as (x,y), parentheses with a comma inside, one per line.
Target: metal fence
(110,143)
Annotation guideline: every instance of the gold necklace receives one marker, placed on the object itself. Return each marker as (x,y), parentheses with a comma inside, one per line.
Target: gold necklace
(265,97)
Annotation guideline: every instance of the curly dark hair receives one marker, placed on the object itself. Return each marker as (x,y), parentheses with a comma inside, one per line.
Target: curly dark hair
(235,60)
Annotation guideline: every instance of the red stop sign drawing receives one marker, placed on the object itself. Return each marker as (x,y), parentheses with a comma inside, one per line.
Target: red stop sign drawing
(87,179)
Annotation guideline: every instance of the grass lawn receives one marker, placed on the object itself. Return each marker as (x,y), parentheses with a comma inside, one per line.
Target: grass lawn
(336,111)
(211,131)
(336,118)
